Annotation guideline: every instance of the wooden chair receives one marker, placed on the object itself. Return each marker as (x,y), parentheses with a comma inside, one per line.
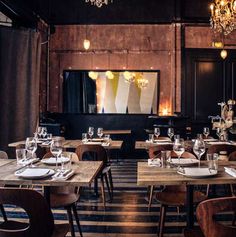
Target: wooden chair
(41,223)
(206,212)
(221,147)
(66,197)
(153,152)
(232,156)
(99,153)
(3,155)
(175,196)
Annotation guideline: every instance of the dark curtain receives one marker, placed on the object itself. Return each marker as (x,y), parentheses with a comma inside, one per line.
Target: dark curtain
(20,52)
(79,93)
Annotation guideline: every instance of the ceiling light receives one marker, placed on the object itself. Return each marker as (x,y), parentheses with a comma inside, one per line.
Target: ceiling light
(217,44)
(142,83)
(223,14)
(98,3)
(93,75)
(109,75)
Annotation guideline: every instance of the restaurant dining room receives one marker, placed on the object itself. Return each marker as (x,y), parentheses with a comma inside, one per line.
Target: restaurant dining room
(118,118)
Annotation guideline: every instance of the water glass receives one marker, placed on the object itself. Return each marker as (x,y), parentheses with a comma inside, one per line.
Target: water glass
(151,137)
(31,145)
(84,137)
(68,165)
(165,155)
(20,156)
(213,161)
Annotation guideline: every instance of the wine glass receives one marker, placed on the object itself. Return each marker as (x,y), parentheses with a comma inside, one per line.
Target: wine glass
(56,149)
(31,147)
(90,132)
(218,132)
(199,148)
(206,131)
(170,133)
(179,148)
(100,132)
(157,132)
(44,132)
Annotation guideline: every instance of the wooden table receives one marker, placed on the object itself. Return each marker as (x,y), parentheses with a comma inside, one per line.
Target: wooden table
(143,145)
(117,132)
(148,175)
(115,145)
(85,172)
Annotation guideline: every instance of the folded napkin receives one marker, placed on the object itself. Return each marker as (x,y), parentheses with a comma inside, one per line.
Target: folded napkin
(154,162)
(63,175)
(28,161)
(230,171)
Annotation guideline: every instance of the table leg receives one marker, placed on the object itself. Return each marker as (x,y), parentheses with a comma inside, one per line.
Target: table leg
(189,205)
(46,191)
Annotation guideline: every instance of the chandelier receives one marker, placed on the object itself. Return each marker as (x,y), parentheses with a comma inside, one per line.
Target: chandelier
(223,13)
(142,83)
(99,3)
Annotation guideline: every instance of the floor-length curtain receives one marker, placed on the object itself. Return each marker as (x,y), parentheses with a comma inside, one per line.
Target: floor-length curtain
(20,52)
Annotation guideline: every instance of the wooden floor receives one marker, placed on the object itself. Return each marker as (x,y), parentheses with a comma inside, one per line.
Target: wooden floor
(127,215)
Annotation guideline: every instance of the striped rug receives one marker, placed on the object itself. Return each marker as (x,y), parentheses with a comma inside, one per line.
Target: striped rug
(126,215)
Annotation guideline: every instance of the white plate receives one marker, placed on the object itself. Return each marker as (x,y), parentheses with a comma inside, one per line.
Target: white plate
(53,161)
(34,173)
(184,161)
(197,172)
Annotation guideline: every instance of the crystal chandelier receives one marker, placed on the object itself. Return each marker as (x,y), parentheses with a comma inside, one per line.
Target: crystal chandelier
(223,13)
(99,3)
(142,83)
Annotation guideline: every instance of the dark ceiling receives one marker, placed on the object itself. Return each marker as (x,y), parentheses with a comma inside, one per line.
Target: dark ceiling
(61,12)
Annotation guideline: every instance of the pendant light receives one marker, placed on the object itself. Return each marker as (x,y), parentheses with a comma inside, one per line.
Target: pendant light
(86,42)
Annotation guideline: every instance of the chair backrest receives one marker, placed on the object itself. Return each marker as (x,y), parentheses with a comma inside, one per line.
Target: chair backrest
(206,212)
(154,151)
(98,150)
(3,155)
(221,147)
(232,156)
(41,223)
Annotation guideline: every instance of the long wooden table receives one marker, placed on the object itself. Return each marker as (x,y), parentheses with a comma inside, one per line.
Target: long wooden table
(114,145)
(148,175)
(85,172)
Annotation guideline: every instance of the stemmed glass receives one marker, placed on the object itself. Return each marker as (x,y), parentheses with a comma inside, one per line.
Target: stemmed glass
(206,132)
(31,147)
(90,132)
(100,132)
(56,149)
(44,132)
(199,148)
(170,133)
(218,132)
(179,148)
(157,132)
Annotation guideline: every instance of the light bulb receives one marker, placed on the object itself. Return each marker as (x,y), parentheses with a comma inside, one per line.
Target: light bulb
(93,75)
(86,44)
(109,75)
(223,53)
(127,75)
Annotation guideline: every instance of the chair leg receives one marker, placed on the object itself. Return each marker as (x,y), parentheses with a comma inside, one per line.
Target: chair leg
(111,182)
(77,219)
(108,186)
(3,212)
(162,220)
(103,192)
(70,217)
(150,197)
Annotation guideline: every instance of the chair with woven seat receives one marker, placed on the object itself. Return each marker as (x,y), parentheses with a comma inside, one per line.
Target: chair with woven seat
(155,151)
(175,196)
(41,222)
(98,153)
(206,213)
(66,197)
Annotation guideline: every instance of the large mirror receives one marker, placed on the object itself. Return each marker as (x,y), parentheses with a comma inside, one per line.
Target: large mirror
(122,92)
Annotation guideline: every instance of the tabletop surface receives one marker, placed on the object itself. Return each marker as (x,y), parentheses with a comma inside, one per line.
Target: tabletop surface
(117,132)
(114,144)
(151,175)
(85,171)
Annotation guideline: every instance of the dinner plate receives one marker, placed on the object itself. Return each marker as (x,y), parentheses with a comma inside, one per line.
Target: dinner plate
(184,161)
(34,173)
(53,161)
(197,172)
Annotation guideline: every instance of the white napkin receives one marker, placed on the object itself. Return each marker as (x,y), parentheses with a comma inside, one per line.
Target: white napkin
(183,161)
(154,162)
(32,172)
(230,171)
(64,175)
(28,162)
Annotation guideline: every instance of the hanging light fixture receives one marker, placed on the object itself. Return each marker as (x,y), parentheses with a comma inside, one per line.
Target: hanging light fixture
(223,53)
(223,13)
(98,3)
(142,83)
